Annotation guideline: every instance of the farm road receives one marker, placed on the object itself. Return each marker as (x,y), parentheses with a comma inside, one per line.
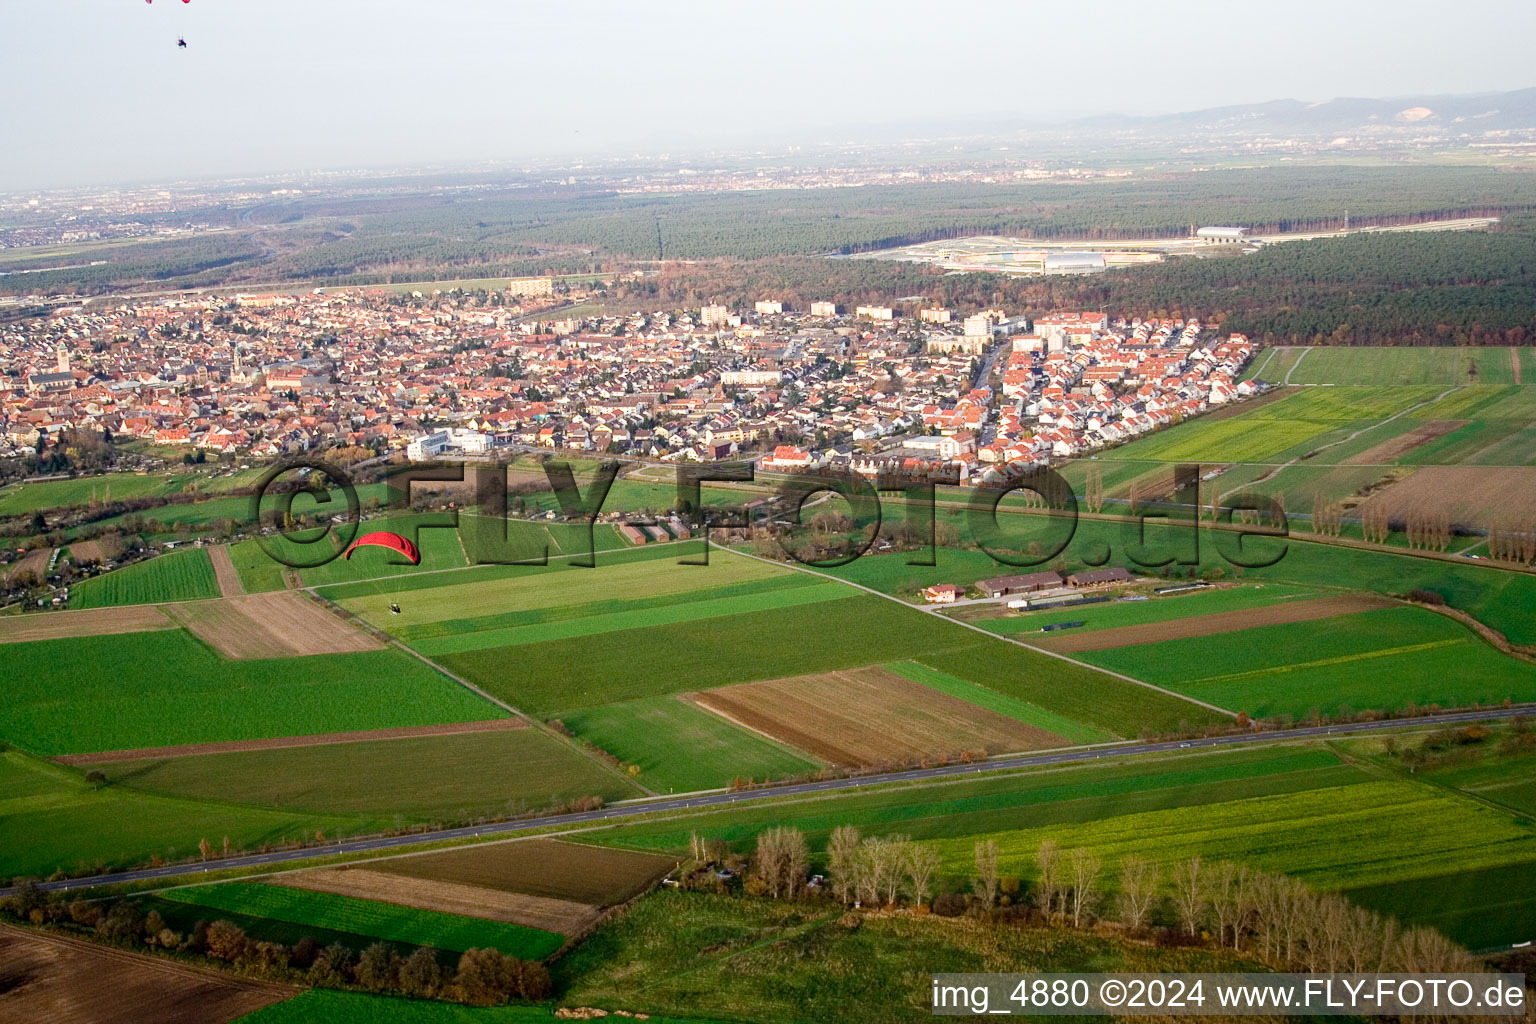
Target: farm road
(652,805)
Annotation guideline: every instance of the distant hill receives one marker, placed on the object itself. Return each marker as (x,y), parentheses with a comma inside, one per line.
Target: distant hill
(1447,115)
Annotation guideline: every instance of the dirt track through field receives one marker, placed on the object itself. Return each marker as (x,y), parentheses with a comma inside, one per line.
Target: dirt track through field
(870,716)
(138,618)
(224,571)
(285,742)
(282,624)
(573,872)
(1210,625)
(1514,364)
(45,977)
(1402,444)
(562,916)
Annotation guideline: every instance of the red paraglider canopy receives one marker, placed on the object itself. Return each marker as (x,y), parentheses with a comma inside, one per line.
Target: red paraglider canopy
(385,539)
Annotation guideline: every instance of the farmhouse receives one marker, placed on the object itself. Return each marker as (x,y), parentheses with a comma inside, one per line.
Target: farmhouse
(941,593)
(1005,585)
(1098,577)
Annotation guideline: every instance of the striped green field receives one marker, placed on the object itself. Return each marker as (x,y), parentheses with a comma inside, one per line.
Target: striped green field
(55,820)
(1348,836)
(680,747)
(1388,658)
(1439,365)
(493,594)
(670,613)
(372,918)
(177,576)
(96,693)
(381,784)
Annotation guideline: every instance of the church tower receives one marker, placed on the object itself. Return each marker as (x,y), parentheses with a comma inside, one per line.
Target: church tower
(63,358)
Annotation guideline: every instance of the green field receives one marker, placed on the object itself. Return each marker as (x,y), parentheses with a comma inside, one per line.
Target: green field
(493,594)
(1481,908)
(177,576)
(388,783)
(373,918)
(660,612)
(1346,837)
(1388,658)
(25,498)
(54,819)
(1498,430)
(972,806)
(774,962)
(560,675)
(681,747)
(155,689)
(1502,599)
(1298,809)
(488,540)
(259,571)
(1301,419)
(1001,703)
(1442,365)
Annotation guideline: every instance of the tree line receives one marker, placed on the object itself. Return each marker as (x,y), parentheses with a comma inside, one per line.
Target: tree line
(479,977)
(1275,918)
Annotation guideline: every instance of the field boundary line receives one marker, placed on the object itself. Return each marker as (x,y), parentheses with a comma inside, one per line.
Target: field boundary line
(581,821)
(689,699)
(1304,353)
(1273,473)
(938,614)
(1268,358)
(1343,659)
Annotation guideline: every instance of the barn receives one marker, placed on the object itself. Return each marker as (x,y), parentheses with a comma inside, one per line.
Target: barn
(1002,586)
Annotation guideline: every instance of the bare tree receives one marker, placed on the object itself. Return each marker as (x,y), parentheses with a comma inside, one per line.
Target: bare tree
(874,863)
(843,862)
(1189,893)
(781,861)
(1048,883)
(1085,867)
(897,851)
(922,861)
(986,881)
(1139,880)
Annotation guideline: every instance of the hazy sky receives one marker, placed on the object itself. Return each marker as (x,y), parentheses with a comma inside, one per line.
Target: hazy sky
(97,91)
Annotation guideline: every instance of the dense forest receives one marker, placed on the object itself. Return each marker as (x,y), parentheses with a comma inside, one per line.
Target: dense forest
(331,240)
(1429,288)
(1388,288)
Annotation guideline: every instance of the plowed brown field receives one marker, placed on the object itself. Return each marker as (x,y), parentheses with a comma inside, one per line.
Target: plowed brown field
(1209,625)
(224,571)
(564,916)
(137,618)
(70,981)
(539,867)
(1472,495)
(870,716)
(276,625)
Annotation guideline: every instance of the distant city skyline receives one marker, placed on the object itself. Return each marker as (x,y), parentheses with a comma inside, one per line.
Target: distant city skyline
(100,93)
